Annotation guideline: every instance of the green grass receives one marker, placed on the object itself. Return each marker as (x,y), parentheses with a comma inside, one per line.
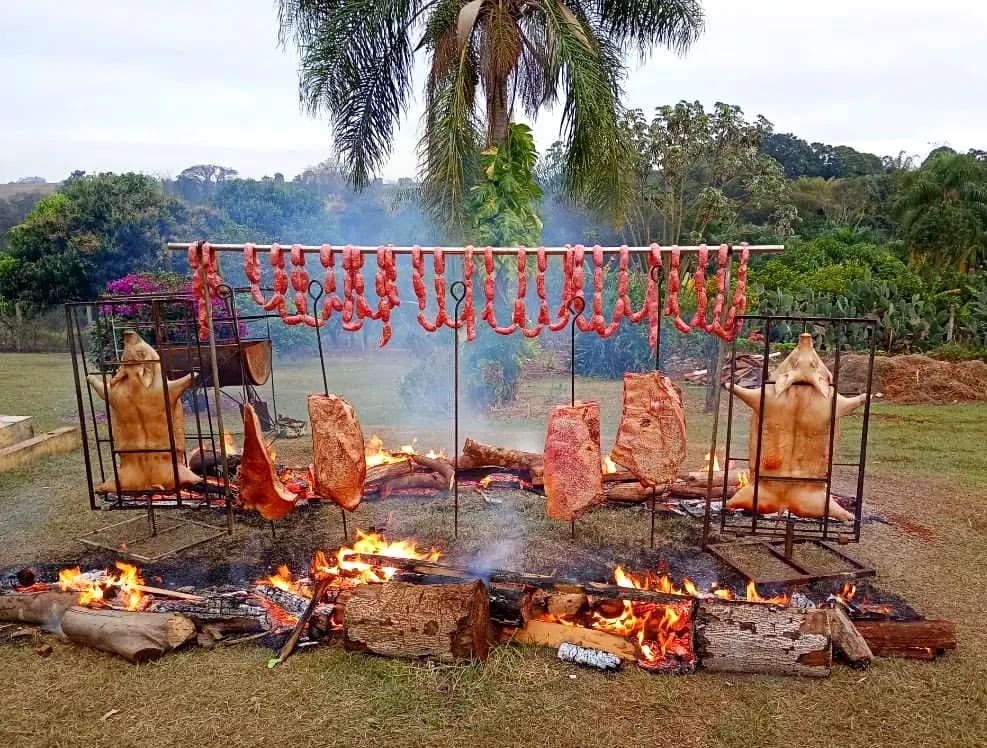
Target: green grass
(926,467)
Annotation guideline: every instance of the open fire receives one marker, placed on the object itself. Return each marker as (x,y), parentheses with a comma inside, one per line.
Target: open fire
(376,454)
(102,588)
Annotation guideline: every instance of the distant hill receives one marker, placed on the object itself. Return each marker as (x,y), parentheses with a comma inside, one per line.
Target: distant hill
(17,188)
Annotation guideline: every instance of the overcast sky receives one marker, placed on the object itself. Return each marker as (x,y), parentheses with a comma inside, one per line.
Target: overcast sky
(102,86)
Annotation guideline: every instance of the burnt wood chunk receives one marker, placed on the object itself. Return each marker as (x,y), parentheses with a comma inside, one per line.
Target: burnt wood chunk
(573,479)
(549,634)
(651,438)
(847,640)
(43,609)
(337,450)
(443,622)
(740,637)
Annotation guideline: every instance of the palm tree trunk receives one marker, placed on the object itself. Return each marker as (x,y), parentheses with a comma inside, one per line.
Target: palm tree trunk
(498,115)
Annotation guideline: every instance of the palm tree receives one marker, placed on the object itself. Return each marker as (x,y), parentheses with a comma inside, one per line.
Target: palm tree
(487,59)
(943,210)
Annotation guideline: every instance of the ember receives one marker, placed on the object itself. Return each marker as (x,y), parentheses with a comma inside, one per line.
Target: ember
(376,454)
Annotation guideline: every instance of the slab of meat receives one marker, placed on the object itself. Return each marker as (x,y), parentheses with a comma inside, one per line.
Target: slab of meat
(651,438)
(260,487)
(573,475)
(337,450)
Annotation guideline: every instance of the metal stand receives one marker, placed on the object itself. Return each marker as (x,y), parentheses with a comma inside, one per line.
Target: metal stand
(576,306)
(458,291)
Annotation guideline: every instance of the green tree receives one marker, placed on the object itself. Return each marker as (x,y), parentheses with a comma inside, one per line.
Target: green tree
(943,211)
(795,155)
(357,59)
(94,229)
(695,170)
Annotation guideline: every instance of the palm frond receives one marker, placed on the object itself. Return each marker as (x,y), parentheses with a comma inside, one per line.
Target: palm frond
(649,23)
(451,142)
(356,64)
(598,156)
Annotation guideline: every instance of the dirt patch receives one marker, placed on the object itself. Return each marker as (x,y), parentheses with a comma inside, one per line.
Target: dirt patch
(917,379)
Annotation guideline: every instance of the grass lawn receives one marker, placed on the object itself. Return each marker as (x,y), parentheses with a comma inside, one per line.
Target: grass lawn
(925,482)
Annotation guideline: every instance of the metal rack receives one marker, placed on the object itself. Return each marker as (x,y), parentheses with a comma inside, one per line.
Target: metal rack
(787,529)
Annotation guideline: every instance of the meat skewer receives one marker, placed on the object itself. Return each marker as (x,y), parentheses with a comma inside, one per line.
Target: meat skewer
(699,318)
(723,262)
(332,303)
(567,286)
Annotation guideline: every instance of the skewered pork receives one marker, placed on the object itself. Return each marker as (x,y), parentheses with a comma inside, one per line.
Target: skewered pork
(573,479)
(337,450)
(651,439)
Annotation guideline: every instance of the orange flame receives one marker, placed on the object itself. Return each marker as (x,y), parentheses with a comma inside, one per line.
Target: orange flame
(716,463)
(609,466)
(376,454)
(743,479)
(754,597)
(352,572)
(229,444)
(127,583)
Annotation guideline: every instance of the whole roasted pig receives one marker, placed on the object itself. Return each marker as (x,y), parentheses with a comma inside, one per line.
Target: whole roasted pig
(139,418)
(795,441)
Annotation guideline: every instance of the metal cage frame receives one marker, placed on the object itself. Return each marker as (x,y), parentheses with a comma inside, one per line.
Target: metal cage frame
(790,527)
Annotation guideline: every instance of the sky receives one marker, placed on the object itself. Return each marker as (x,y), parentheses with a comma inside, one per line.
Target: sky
(113,85)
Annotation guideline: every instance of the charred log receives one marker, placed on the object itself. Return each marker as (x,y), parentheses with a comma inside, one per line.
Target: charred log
(912,639)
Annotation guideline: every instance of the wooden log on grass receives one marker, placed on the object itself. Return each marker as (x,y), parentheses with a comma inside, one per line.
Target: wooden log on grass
(740,637)
(387,471)
(137,637)
(43,609)
(922,640)
(443,622)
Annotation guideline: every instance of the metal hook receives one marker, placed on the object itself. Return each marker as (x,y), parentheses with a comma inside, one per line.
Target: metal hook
(312,286)
(458,292)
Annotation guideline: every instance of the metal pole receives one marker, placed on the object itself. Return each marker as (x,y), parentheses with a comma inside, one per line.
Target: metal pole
(714,378)
(458,291)
(576,306)
(312,248)
(217,390)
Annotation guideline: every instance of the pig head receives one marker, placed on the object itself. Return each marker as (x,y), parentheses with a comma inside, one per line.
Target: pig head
(795,438)
(139,418)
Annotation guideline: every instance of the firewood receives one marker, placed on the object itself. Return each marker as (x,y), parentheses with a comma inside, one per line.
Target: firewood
(388,471)
(437,465)
(548,634)
(423,481)
(43,609)
(444,622)
(621,476)
(741,637)
(634,492)
(913,639)
(476,455)
(848,640)
(137,637)
(216,608)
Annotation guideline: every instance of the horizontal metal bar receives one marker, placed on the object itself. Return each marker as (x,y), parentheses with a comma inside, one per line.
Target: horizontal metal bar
(791,478)
(312,248)
(784,318)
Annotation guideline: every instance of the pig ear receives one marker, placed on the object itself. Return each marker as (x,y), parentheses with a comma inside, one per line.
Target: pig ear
(147,375)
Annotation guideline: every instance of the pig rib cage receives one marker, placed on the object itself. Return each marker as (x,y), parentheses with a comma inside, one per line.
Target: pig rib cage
(788,528)
(457,291)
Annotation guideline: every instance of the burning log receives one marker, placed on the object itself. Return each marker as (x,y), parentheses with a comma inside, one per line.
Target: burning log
(741,637)
(477,455)
(923,640)
(43,609)
(444,622)
(635,492)
(388,471)
(549,634)
(424,481)
(848,640)
(137,637)
(437,465)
